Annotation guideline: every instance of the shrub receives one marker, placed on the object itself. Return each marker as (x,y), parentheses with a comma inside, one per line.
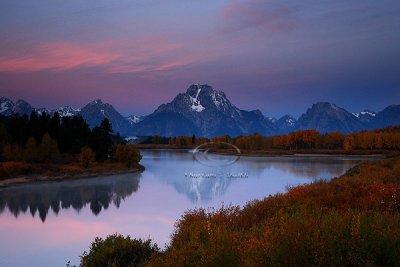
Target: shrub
(12,152)
(31,152)
(12,169)
(127,154)
(353,220)
(87,157)
(117,250)
(48,149)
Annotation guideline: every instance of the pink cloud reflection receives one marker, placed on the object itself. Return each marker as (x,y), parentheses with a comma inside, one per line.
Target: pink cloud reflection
(54,231)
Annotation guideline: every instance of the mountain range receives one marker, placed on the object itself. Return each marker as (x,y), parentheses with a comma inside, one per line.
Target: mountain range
(203,111)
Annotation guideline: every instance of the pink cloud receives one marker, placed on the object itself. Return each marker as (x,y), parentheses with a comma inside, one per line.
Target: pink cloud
(137,55)
(258,13)
(56,56)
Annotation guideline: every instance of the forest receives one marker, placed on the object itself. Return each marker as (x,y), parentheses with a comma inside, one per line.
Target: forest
(379,139)
(43,144)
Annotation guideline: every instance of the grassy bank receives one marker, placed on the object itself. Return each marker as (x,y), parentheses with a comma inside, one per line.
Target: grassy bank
(352,220)
(12,173)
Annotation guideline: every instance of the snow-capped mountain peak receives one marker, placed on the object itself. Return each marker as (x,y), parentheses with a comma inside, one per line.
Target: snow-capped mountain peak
(133,119)
(6,106)
(208,112)
(365,112)
(196,105)
(66,111)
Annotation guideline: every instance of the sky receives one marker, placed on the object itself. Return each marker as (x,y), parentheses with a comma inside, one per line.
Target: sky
(278,56)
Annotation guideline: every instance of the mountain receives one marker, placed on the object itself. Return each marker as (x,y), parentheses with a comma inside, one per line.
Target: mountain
(365,116)
(6,106)
(389,116)
(40,111)
(133,119)
(203,111)
(21,107)
(327,117)
(66,111)
(96,111)
(166,124)
(286,124)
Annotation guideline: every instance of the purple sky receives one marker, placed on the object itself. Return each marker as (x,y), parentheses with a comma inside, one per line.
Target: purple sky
(277,56)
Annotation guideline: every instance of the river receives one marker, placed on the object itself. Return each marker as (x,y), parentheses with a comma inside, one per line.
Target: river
(50,223)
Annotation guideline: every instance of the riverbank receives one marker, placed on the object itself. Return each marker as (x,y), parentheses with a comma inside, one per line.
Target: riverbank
(16,173)
(311,152)
(350,220)
(279,152)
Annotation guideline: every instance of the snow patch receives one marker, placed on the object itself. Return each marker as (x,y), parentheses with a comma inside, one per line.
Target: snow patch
(66,111)
(102,112)
(367,113)
(131,138)
(196,105)
(334,106)
(134,119)
(214,98)
(290,122)
(3,107)
(363,113)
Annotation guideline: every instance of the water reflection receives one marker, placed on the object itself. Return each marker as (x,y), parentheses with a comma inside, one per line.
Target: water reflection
(179,170)
(202,184)
(98,193)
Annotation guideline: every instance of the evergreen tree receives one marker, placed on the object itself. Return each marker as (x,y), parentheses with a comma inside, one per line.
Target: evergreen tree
(34,128)
(48,149)
(101,140)
(74,134)
(55,125)
(194,139)
(31,153)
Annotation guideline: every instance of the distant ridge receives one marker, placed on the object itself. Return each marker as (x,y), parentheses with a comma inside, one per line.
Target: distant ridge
(203,111)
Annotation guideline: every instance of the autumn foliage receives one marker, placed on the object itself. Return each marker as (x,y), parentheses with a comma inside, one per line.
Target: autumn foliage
(312,139)
(381,139)
(352,220)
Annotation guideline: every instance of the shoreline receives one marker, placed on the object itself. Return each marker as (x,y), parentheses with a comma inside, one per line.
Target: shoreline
(285,153)
(31,179)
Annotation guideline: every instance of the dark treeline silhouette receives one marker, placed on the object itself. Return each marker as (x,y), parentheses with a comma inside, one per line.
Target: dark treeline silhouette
(40,138)
(40,198)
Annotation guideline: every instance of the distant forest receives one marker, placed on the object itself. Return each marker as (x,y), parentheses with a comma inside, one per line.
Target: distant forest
(379,139)
(43,138)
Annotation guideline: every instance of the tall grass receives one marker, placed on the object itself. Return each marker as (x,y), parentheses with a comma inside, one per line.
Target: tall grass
(353,220)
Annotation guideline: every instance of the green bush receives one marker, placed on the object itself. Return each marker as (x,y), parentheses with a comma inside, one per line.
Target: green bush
(118,251)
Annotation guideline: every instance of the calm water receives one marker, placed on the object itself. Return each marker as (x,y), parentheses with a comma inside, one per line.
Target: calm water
(48,224)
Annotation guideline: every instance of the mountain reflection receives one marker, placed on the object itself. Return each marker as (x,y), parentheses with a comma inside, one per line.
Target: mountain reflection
(98,193)
(170,167)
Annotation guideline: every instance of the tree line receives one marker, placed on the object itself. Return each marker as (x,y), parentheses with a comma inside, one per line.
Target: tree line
(45,138)
(387,138)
